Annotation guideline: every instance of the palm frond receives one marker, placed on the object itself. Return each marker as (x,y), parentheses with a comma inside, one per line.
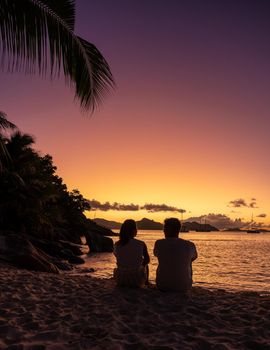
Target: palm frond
(91,73)
(4,123)
(4,154)
(5,159)
(65,9)
(20,142)
(39,34)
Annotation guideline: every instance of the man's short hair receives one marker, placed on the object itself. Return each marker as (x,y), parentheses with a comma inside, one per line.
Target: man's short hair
(173,225)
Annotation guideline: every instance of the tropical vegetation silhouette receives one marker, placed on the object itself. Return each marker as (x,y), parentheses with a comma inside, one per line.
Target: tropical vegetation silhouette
(33,199)
(39,217)
(4,125)
(40,220)
(37,36)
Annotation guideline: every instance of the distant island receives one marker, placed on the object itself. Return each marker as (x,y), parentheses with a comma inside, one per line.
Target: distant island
(195,226)
(232,229)
(147,224)
(108,224)
(144,224)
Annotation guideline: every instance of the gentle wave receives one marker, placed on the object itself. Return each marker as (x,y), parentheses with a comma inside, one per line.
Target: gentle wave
(231,261)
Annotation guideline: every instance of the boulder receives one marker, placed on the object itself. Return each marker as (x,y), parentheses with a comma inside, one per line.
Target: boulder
(62,265)
(51,248)
(19,252)
(66,254)
(101,230)
(61,249)
(98,243)
(66,234)
(75,248)
(75,260)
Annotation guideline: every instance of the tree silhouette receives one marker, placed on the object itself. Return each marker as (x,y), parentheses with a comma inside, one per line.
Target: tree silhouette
(38,35)
(4,124)
(33,198)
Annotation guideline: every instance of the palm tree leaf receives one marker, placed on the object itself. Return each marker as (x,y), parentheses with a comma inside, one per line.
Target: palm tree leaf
(4,123)
(4,154)
(65,9)
(26,26)
(38,36)
(19,142)
(91,73)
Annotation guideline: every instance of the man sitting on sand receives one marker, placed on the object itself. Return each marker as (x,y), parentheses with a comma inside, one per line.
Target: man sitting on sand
(175,256)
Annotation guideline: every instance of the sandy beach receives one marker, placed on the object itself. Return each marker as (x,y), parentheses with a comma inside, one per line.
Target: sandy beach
(45,311)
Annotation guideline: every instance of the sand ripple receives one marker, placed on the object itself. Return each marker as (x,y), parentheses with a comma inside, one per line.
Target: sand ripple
(43,311)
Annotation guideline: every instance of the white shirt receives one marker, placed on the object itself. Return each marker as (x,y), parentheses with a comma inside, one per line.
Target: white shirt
(129,255)
(175,257)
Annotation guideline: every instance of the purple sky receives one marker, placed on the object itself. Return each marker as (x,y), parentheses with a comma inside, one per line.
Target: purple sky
(189,120)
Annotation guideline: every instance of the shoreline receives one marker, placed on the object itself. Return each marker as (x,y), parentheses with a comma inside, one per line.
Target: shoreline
(81,270)
(46,311)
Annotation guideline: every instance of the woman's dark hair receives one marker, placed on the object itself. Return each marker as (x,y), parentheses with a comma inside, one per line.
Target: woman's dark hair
(128,231)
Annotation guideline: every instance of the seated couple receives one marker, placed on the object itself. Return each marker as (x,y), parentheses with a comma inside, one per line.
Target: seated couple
(175,256)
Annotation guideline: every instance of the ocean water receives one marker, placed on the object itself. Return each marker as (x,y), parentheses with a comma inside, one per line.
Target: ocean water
(232,261)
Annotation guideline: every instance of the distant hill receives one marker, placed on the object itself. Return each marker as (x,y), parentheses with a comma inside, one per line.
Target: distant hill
(195,226)
(108,224)
(144,224)
(147,224)
(241,230)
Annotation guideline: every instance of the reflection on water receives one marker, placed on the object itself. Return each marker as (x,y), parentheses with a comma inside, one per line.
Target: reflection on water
(233,261)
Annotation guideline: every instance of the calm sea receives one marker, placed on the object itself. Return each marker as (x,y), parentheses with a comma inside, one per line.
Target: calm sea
(232,261)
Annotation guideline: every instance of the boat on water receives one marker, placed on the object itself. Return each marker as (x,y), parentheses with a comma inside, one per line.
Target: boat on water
(253,229)
(203,227)
(183,227)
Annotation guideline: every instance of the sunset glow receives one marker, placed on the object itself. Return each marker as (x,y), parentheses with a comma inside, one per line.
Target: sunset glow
(188,122)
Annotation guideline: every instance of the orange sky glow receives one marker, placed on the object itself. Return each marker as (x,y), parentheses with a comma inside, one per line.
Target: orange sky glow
(187,125)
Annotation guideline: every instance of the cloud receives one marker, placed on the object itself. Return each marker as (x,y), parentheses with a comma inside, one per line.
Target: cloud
(253,203)
(96,205)
(237,203)
(221,221)
(150,207)
(126,207)
(261,216)
(240,202)
(153,208)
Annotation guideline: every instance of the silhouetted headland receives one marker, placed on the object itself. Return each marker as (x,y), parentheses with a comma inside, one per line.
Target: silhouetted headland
(147,224)
(41,222)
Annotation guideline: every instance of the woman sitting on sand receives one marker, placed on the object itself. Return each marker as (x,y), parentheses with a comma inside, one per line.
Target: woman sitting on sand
(132,257)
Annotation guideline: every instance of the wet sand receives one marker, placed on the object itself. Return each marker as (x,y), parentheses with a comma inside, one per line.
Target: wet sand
(44,311)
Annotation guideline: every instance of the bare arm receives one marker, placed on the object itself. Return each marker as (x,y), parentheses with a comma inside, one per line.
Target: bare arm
(114,248)
(146,258)
(155,249)
(195,254)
